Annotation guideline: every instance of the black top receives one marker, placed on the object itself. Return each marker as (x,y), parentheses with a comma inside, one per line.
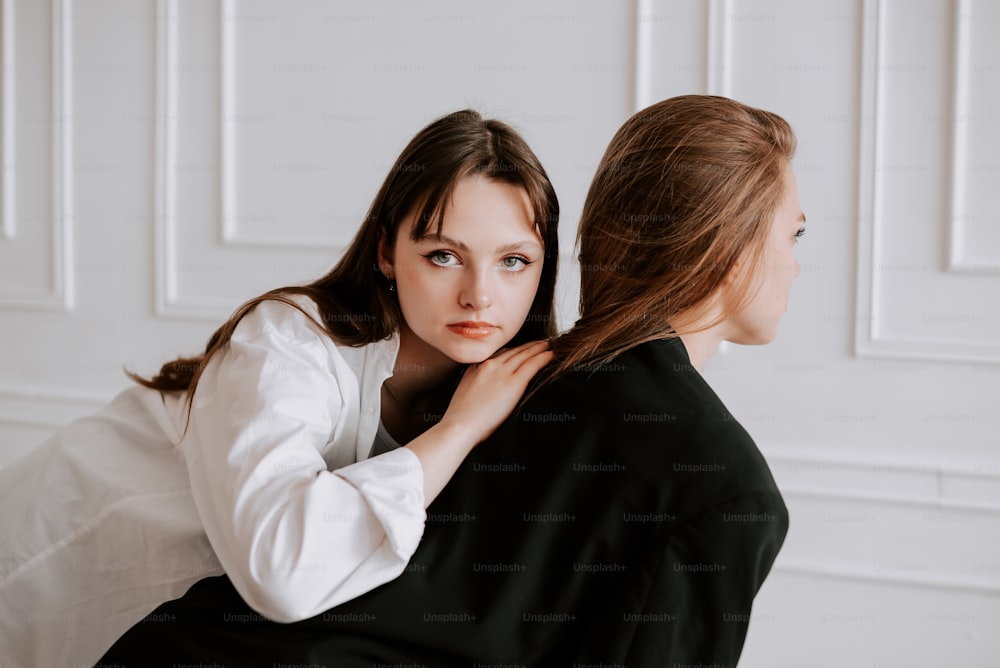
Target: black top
(621,517)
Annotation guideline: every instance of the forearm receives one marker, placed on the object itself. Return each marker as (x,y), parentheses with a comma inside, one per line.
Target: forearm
(441,450)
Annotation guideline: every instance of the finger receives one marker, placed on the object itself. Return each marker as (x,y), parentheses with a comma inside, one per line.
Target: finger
(516,355)
(523,356)
(508,352)
(532,365)
(526,364)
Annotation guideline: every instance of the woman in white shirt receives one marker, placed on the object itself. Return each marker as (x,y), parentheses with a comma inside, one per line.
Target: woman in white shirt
(274,456)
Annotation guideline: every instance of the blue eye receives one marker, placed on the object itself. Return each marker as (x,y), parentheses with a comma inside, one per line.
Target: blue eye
(514,263)
(442,258)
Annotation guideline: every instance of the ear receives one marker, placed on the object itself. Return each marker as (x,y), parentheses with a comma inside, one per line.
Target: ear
(386,264)
(733,272)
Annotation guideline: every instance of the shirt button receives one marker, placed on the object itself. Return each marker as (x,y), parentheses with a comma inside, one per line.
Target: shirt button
(369,410)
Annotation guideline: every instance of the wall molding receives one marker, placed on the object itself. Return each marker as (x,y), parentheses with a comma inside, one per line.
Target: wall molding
(869,575)
(888,483)
(888,474)
(230,231)
(958,260)
(47,406)
(869,340)
(168,301)
(719,73)
(8,135)
(227,130)
(165,160)
(60,297)
(868,192)
(62,158)
(643,55)
(959,138)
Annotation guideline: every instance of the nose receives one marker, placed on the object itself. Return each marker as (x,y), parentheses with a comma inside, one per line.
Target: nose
(477,290)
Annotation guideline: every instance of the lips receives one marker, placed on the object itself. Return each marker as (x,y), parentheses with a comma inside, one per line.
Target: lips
(473,329)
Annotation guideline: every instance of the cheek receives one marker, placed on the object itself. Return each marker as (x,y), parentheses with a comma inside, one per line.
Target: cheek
(420,280)
(791,267)
(784,266)
(771,280)
(416,293)
(523,290)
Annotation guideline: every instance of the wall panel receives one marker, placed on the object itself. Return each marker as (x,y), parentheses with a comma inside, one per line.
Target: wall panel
(914,300)
(36,243)
(975,234)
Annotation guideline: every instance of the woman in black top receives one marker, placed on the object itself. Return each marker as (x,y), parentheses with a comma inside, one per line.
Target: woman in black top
(622,516)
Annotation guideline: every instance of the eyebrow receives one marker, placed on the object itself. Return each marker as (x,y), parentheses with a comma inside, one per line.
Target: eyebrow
(506,248)
(802,217)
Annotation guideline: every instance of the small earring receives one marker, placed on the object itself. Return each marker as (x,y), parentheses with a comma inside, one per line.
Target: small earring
(392,285)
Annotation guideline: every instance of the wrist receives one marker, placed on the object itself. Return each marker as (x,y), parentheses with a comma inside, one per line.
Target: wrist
(456,434)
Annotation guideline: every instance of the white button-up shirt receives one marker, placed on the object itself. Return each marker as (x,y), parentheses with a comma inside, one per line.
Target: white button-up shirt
(268,480)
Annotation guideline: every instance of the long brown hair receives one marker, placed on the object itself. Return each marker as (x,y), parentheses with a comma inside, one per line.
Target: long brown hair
(687,187)
(355,304)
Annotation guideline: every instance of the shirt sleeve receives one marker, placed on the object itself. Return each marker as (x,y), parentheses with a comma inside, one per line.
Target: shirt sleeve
(698,607)
(294,537)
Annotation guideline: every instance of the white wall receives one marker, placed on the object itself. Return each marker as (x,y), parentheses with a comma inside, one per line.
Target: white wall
(165,160)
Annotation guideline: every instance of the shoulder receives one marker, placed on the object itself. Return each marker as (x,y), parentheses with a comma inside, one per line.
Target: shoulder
(295,327)
(298,318)
(652,386)
(650,410)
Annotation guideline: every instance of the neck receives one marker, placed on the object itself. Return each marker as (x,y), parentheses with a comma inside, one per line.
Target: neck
(419,369)
(700,346)
(700,341)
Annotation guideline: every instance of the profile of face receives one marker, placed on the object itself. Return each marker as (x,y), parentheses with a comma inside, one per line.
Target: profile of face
(466,292)
(757,322)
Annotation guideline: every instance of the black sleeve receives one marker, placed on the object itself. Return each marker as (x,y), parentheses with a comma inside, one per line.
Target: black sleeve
(698,607)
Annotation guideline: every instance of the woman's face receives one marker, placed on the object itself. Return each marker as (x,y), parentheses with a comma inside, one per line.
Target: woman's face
(466,292)
(758,322)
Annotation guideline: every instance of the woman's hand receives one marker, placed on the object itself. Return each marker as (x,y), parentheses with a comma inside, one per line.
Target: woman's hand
(486,395)
(490,390)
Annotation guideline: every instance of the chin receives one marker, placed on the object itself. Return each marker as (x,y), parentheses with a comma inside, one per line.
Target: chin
(471,353)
